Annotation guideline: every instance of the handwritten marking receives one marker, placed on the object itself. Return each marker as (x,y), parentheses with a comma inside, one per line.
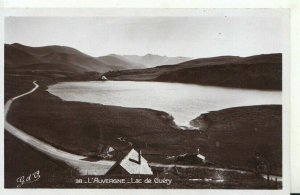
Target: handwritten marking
(32,177)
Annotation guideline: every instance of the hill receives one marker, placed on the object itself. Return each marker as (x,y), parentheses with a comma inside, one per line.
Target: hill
(255,72)
(151,60)
(59,57)
(120,61)
(241,135)
(64,58)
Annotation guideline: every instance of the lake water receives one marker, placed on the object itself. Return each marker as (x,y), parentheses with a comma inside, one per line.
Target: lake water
(183,101)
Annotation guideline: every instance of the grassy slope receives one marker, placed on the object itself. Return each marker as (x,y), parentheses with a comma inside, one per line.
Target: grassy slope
(258,76)
(241,131)
(21,160)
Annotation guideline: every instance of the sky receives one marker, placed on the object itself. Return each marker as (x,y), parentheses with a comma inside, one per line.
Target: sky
(195,37)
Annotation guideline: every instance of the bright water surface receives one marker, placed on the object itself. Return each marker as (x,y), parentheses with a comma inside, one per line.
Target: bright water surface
(183,101)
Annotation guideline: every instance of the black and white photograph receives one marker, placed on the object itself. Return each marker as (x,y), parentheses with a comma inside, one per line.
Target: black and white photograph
(152,101)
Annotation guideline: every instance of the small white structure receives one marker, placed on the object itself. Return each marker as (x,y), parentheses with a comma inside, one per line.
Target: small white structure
(103,78)
(200,155)
(110,149)
(134,163)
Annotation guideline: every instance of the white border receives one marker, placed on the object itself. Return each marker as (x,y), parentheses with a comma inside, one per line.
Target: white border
(148,3)
(176,4)
(295,97)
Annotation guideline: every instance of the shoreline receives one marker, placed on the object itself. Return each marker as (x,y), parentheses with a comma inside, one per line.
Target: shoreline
(61,89)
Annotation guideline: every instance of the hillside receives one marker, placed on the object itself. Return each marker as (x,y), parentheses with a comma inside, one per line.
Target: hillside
(237,136)
(255,72)
(60,57)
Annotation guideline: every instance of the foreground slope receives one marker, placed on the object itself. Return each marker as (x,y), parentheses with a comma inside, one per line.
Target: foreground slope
(241,135)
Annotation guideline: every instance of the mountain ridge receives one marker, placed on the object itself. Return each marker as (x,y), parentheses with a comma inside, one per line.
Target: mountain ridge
(20,56)
(152,60)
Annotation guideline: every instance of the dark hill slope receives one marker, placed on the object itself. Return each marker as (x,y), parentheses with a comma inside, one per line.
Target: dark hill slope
(21,56)
(256,72)
(239,136)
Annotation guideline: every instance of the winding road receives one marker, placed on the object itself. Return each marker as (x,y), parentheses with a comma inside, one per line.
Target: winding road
(76,161)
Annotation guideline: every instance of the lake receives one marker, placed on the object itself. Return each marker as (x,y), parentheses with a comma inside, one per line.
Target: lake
(183,101)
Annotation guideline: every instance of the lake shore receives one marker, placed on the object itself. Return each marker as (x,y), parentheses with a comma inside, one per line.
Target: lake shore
(51,120)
